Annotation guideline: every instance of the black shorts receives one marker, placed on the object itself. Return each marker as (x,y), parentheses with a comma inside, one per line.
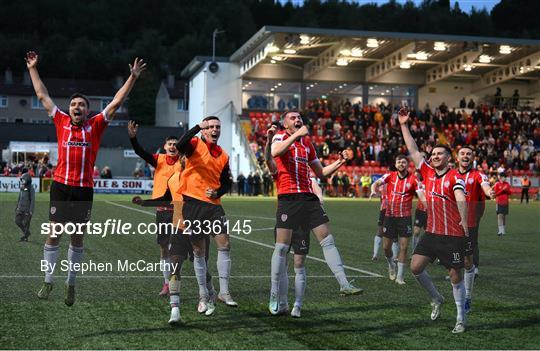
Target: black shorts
(299,241)
(420,219)
(70,204)
(296,210)
(382,213)
(179,244)
(202,218)
(502,209)
(395,227)
(164,222)
(450,250)
(471,242)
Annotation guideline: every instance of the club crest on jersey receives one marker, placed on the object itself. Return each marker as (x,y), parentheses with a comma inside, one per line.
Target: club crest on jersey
(471,181)
(284,217)
(408,185)
(446,184)
(88,129)
(53,210)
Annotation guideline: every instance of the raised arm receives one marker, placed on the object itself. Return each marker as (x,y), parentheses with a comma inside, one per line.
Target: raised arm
(41,91)
(272,167)
(142,153)
(184,145)
(323,172)
(280,147)
(136,69)
(416,156)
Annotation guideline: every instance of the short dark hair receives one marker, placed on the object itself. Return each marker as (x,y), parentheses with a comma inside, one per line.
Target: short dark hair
(284,114)
(444,146)
(209,118)
(466,146)
(401,157)
(79,95)
(171,137)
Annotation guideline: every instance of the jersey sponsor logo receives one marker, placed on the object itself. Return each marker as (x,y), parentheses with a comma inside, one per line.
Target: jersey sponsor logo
(301,159)
(76,143)
(284,217)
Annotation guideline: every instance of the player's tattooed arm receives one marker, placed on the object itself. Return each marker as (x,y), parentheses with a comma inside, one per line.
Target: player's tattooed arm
(41,91)
(135,71)
(416,156)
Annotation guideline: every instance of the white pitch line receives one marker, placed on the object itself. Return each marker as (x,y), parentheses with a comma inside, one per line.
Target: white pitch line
(256,242)
(161,277)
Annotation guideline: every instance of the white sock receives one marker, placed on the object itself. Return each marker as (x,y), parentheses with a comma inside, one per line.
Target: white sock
(224,269)
(199,266)
(391,263)
(333,260)
(299,285)
(277,266)
(284,288)
(425,280)
(459,297)
(501,229)
(50,255)
(376,245)
(174,300)
(165,265)
(469,281)
(75,255)
(400,270)
(395,250)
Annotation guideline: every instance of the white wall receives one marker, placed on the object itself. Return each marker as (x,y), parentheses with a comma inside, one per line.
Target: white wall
(219,94)
(167,114)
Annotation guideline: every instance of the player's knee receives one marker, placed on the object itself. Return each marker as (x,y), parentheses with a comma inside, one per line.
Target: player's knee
(281,249)
(328,241)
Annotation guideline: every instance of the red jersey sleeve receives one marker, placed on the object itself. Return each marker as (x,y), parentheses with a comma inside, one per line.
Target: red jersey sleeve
(99,122)
(386,178)
(58,116)
(424,169)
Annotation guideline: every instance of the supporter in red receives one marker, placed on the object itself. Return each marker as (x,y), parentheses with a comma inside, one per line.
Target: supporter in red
(502,196)
(71,192)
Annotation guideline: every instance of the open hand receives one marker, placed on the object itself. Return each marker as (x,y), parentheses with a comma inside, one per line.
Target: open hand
(137,68)
(271,131)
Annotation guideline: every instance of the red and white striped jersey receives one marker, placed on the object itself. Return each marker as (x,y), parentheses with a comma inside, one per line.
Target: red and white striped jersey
(77,148)
(442,210)
(294,165)
(400,193)
(475,195)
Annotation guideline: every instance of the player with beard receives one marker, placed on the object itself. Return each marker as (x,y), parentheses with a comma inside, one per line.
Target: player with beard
(447,224)
(476,189)
(72,191)
(401,186)
(297,204)
(165,166)
(205,179)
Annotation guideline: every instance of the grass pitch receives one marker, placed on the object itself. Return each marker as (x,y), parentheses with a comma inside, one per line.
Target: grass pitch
(122,310)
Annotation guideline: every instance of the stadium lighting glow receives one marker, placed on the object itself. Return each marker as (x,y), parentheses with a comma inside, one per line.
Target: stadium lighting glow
(420,55)
(439,46)
(405,65)
(272,89)
(505,49)
(311,85)
(467,68)
(272,61)
(271,48)
(484,59)
(342,62)
(277,58)
(289,51)
(279,84)
(372,43)
(356,52)
(345,52)
(304,39)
